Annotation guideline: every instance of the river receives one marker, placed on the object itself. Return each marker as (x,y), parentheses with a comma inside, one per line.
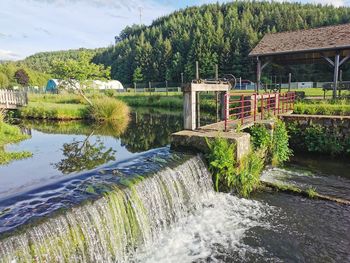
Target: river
(65,205)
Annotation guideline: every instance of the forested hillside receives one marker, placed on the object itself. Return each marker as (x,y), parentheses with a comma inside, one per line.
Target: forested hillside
(43,61)
(215,33)
(17,74)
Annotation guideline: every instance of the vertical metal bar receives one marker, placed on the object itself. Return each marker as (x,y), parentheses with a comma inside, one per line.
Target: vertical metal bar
(226,105)
(134,87)
(242,109)
(149,87)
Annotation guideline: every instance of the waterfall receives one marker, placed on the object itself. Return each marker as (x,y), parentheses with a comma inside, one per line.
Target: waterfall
(112,227)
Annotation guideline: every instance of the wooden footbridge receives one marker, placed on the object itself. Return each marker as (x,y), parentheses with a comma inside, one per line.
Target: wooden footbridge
(13,99)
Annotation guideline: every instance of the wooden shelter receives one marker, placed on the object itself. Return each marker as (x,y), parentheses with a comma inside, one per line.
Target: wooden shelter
(330,44)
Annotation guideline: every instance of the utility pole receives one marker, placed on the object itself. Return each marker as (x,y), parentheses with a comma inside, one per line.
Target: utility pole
(140,12)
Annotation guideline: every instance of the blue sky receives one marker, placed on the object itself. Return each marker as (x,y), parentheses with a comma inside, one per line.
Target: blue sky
(30,26)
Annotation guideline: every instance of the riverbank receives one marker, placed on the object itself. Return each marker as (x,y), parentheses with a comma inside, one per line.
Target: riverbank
(11,134)
(74,107)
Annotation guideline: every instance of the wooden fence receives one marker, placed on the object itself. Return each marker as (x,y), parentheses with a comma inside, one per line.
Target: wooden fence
(12,99)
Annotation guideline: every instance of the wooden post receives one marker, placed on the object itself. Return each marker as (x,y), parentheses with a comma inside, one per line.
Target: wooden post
(135,87)
(217,105)
(216,72)
(166,87)
(258,75)
(197,70)
(336,74)
(289,81)
(149,87)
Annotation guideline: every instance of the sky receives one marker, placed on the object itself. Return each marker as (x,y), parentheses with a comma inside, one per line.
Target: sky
(30,26)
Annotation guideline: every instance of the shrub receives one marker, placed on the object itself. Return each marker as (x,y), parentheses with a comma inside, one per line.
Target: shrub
(221,159)
(276,144)
(318,139)
(227,176)
(109,109)
(280,150)
(261,137)
(247,177)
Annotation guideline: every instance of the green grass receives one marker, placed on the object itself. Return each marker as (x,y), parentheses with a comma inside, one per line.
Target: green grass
(54,111)
(109,109)
(156,101)
(311,192)
(11,134)
(324,107)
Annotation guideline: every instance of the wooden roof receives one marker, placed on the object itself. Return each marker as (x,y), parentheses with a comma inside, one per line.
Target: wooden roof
(304,41)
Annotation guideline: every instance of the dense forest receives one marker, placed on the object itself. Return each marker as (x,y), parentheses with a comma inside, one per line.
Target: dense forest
(220,34)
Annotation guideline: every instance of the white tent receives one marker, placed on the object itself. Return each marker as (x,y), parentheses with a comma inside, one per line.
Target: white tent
(110,84)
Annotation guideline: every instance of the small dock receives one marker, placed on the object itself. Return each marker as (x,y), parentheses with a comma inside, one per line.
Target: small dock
(12,99)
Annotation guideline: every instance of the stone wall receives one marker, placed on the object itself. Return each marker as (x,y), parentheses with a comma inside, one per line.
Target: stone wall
(330,122)
(319,133)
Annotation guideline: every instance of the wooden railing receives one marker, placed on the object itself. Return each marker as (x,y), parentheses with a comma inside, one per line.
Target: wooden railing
(12,99)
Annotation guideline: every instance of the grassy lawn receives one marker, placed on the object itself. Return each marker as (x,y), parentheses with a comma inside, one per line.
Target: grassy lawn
(324,107)
(54,110)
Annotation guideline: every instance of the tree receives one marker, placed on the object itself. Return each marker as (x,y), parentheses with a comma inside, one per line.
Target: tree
(4,81)
(22,77)
(78,73)
(137,76)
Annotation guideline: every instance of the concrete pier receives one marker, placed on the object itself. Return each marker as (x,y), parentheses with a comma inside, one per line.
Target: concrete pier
(196,141)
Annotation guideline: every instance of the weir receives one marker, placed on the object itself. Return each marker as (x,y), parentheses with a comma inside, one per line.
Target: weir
(110,228)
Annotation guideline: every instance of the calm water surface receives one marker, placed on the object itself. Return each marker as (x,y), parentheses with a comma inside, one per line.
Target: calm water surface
(63,149)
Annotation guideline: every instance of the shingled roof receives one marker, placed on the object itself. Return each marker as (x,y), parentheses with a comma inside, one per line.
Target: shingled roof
(308,40)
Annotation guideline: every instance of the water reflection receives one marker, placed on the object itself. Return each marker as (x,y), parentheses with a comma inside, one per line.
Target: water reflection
(148,131)
(65,148)
(84,155)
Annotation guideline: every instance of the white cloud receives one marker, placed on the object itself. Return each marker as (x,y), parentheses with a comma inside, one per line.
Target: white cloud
(8,55)
(44,25)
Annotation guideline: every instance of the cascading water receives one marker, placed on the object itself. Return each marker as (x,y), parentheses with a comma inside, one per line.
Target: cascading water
(112,227)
